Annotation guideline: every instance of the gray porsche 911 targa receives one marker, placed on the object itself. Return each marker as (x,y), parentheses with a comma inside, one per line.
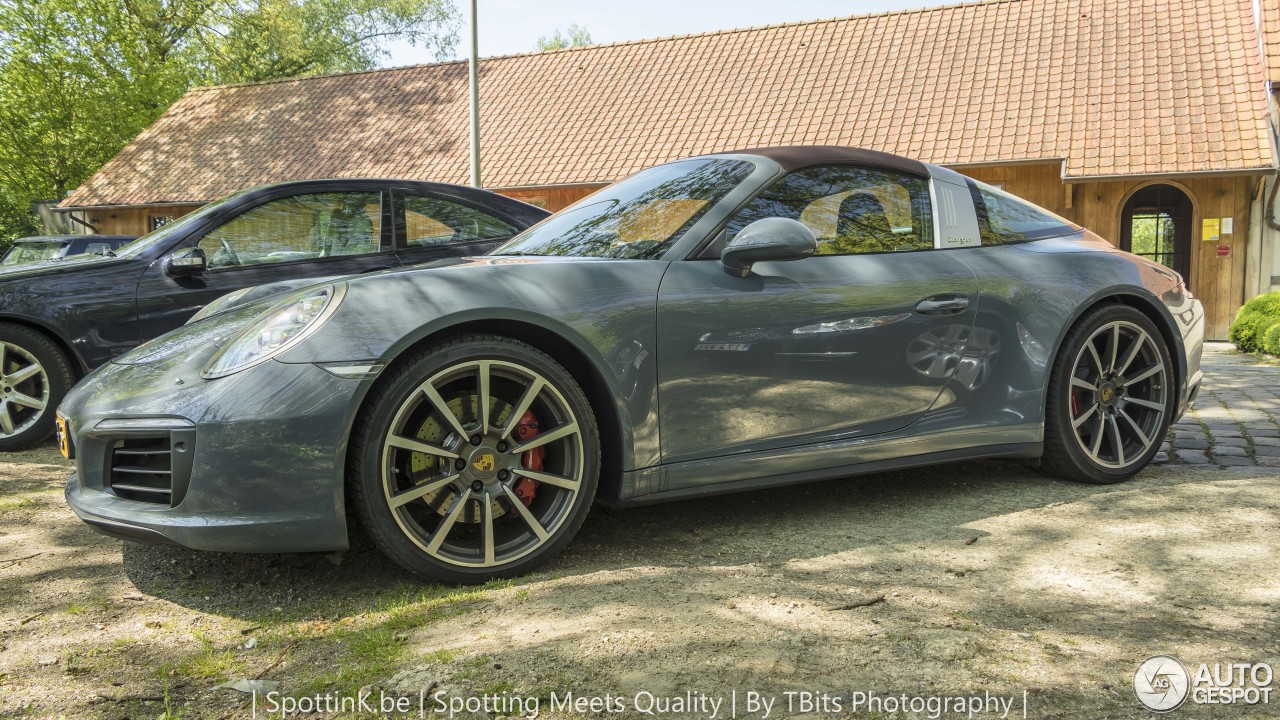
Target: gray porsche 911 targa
(715,324)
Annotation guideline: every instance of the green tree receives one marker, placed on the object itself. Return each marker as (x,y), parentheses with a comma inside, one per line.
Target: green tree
(575,36)
(80,78)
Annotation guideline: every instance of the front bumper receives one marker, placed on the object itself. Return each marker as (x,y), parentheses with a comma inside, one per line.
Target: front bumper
(1191,320)
(255,459)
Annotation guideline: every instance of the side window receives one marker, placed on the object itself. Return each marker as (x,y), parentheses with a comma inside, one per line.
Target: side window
(851,210)
(302,227)
(1003,218)
(431,222)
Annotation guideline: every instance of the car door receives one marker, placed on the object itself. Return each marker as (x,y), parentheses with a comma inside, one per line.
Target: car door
(311,234)
(859,339)
(430,226)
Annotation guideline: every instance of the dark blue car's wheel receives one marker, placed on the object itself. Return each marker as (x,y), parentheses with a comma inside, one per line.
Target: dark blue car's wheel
(1110,398)
(477,458)
(34,377)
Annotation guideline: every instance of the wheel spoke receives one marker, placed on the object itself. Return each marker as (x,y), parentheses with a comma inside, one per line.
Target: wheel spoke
(1144,403)
(1097,438)
(1157,368)
(1132,353)
(529,519)
(482,369)
(1075,424)
(1146,441)
(18,398)
(442,407)
(442,530)
(1093,352)
(405,443)
(547,437)
(1115,345)
(556,480)
(418,491)
(3,351)
(1080,383)
(489,553)
(24,374)
(6,420)
(1116,440)
(522,406)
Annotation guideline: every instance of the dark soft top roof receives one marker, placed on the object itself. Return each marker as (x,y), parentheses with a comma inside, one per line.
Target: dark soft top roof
(793,157)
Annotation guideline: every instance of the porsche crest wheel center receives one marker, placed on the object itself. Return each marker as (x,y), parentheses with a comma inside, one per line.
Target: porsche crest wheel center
(483,463)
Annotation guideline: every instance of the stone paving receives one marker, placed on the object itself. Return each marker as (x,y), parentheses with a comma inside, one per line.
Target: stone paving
(1236,418)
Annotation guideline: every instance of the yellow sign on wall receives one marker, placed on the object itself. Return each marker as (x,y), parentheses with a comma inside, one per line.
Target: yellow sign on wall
(1209,230)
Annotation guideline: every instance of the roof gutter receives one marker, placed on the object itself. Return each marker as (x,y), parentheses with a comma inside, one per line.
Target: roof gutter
(130,206)
(1168,175)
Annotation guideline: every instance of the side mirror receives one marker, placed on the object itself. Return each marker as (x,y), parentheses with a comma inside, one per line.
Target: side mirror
(768,239)
(189,261)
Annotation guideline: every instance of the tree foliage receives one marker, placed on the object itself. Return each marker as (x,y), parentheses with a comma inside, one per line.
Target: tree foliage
(575,36)
(80,78)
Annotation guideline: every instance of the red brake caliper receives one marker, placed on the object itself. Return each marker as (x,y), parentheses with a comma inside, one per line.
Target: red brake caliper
(527,429)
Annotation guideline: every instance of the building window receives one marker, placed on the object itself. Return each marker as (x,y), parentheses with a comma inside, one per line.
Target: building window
(155,222)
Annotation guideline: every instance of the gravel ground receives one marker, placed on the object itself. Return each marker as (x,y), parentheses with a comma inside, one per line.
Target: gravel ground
(968,579)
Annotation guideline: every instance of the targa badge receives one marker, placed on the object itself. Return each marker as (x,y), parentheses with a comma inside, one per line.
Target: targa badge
(1161,683)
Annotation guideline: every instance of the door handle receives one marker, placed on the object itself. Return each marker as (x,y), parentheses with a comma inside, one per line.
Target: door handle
(943,305)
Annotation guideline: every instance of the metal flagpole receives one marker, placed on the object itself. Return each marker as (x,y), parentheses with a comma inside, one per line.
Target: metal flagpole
(473,68)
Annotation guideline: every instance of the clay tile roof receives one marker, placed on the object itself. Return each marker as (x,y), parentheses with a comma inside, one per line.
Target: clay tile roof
(1271,38)
(1109,88)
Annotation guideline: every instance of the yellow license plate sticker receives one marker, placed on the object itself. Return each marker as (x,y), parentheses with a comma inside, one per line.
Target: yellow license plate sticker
(64,438)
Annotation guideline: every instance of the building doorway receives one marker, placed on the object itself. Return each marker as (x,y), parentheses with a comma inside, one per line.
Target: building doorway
(1156,224)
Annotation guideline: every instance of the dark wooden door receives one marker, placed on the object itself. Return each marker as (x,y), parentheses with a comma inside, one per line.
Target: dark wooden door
(1156,223)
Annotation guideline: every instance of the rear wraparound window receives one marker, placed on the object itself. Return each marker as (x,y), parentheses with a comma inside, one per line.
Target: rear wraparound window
(1003,218)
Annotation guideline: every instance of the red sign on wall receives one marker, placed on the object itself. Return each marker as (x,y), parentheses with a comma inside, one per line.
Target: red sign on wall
(1224,250)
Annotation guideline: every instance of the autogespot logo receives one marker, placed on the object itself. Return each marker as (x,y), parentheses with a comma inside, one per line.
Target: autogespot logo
(1161,683)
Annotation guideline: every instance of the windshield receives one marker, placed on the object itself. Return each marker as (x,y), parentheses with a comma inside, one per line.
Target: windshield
(24,253)
(637,218)
(160,234)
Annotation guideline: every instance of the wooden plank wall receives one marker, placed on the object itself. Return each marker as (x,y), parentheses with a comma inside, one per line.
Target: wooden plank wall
(1218,281)
(553,198)
(130,221)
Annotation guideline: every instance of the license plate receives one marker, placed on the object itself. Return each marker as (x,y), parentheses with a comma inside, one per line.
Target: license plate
(64,439)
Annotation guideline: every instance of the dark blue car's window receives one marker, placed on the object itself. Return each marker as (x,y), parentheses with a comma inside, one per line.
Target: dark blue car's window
(1003,218)
(436,222)
(637,218)
(298,227)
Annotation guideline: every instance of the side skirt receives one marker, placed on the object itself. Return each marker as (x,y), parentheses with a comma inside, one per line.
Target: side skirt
(755,470)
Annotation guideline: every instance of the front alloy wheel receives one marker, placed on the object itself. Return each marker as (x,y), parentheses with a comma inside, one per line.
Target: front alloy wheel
(486,464)
(1110,398)
(34,377)
(24,390)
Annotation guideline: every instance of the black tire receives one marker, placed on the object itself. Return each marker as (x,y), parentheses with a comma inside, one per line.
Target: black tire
(1103,427)
(472,509)
(22,426)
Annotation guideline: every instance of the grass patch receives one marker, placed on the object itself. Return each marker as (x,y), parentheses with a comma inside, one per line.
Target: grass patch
(211,664)
(371,648)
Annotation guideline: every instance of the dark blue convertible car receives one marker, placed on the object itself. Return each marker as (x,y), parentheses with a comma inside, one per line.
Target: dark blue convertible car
(61,318)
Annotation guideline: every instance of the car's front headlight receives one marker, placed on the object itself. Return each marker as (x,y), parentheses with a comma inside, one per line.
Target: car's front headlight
(218,304)
(276,330)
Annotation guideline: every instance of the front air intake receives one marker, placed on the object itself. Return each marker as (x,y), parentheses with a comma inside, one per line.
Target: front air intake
(141,469)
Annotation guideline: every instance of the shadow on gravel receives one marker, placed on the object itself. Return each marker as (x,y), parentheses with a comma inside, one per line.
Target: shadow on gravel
(770,527)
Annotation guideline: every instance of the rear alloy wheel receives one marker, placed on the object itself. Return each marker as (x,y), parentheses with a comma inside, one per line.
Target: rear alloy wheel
(34,377)
(1110,399)
(483,464)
